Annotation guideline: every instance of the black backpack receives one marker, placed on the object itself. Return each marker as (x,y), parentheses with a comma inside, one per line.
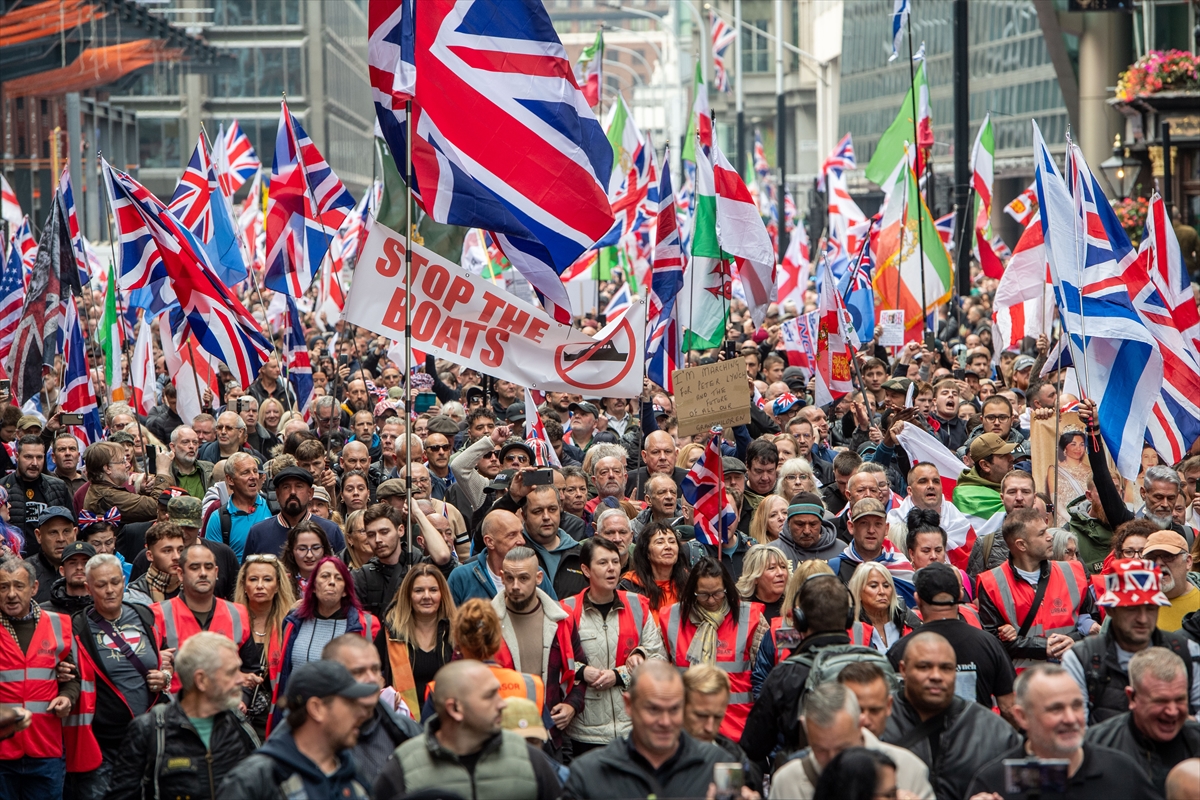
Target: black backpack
(1091,653)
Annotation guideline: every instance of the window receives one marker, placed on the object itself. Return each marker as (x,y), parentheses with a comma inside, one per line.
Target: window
(263,72)
(756,54)
(158,142)
(256,12)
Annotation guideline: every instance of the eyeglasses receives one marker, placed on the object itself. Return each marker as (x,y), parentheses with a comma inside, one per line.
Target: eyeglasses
(267,558)
(307,550)
(1165,558)
(437,448)
(517,458)
(717,595)
(1131,552)
(997,417)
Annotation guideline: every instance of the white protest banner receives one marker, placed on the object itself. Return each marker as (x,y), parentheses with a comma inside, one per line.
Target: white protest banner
(461,317)
(892,322)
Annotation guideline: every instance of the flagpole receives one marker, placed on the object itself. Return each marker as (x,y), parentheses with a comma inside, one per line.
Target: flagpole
(408,246)
(967,211)
(912,79)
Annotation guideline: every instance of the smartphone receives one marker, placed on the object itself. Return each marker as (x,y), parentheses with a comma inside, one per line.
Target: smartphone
(787,638)
(1035,776)
(931,342)
(728,777)
(1197,485)
(538,477)
(4,384)
(960,374)
(71,419)
(424,402)
(343,360)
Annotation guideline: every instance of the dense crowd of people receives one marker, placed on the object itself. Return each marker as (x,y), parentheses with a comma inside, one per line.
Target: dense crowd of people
(378,603)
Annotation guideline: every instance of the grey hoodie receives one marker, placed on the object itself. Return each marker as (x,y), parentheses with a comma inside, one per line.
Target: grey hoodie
(828,545)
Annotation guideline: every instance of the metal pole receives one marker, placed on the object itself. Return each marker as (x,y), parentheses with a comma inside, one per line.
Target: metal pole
(917,143)
(962,134)
(739,99)
(1167,194)
(408,246)
(780,123)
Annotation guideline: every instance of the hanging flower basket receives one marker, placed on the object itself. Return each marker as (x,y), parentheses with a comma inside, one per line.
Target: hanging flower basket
(1131,212)
(1160,71)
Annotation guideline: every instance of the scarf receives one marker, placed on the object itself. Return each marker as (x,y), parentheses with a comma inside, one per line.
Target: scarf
(158,583)
(35,613)
(895,561)
(703,649)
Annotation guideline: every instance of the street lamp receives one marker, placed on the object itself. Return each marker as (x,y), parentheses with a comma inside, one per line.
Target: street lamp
(1121,170)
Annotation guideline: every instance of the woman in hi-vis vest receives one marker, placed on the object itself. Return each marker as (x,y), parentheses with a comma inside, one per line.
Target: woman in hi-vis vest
(415,641)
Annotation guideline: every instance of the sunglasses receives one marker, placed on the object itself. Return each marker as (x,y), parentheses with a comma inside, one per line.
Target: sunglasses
(258,558)
(492,454)
(437,448)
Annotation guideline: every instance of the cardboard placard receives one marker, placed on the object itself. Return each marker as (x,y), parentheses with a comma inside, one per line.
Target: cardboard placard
(711,394)
(892,322)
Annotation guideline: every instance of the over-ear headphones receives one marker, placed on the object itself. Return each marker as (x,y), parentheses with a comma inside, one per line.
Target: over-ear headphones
(799,621)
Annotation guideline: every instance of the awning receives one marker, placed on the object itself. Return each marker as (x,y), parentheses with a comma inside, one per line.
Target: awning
(97,66)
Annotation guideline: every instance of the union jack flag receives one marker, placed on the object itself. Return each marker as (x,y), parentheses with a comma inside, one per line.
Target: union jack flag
(79,397)
(945,230)
(704,489)
(77,247)
(768,208)
(842,158)
(237,161)
(191,202)
(12,299)
(26,245)
(722,36)
(354,232)
(789,212)
(665,350)
(155,247)
(504,63)
(295,354)
(636,190)
(307,203)
(535,431)
(666,268)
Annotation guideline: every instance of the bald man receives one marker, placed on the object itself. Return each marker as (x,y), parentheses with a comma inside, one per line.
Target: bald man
(969,735)
(658,458)
(1183,782)
(464,737)
(481,576)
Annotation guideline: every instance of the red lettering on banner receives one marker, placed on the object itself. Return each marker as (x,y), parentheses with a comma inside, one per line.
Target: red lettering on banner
(536,329)
(393,258)
(435,281)
(512,319)
(447,335)
(491,303)
(495,355)
(419,262)
(425,321)
(394,316)
(460,292)
(473,329)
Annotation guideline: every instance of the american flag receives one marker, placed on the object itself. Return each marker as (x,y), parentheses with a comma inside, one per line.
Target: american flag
(79,396)
(722,36)
(295,354)
(469,61)
(155,247)
(237,162)
(842,158)
(12,299)
(704,489)
(307,203)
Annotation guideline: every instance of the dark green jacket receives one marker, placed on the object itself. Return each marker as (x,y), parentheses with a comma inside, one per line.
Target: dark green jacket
(1093,536)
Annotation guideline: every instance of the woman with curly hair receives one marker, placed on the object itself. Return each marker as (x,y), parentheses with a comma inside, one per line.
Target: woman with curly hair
(660,568)
(415,641)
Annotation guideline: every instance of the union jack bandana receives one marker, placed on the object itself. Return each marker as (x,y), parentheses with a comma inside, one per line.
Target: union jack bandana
(112,516)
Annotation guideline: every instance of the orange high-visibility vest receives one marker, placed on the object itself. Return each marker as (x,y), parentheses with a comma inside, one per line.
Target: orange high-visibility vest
(513,684)
(735,641)
(1013,596)
(631,617)
(175,623)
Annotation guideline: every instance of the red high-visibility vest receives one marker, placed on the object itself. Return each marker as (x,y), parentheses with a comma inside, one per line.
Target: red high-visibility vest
(631,617)
(859,633)
(735,655)
(562,635)
(1013,596)
(966,612)
(175,623)
(30,680)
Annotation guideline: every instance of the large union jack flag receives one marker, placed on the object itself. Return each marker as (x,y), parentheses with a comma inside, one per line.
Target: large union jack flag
(666,268)
(236,160)
(504,139)
(200,204)
(704,489)
(306,205)
(26,245)
(156,249)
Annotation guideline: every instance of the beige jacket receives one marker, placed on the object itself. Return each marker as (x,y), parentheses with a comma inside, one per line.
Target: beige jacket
(792,781)
(552,612)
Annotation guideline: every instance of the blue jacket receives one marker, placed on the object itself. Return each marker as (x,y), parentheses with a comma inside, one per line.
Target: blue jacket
(470,579)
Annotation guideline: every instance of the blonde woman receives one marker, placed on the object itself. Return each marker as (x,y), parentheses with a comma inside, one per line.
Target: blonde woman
(264,588)
(769,519)
(873,593)
(764,577)
(358,550)
(777,645)
(689,454)
(417,626)
(785,443)
(795,476)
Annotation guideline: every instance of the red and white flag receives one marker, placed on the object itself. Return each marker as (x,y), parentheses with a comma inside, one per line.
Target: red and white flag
(1024,205)
(1023,304)
(833,350)
(141,367)
(795,269)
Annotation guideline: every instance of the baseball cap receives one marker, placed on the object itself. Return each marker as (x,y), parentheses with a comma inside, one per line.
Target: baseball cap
(325,679)
(184,511)
(521,716)
(897,385)
(868,507)
(524,448)
(165,496)
(392,487)
(515,412)
(990,444)
(1168,542)
(56,511)
(77,549)
(385,408)
(938,578)
(293,473)
(503,479)
(783,403)
(806,503)
(659,411)
(1133,582)
(584,408)
(322,494)
(1022,363)
(28,421)
(729,464)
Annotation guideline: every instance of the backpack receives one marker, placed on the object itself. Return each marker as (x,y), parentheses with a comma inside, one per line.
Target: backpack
(825,664)
(1093,649)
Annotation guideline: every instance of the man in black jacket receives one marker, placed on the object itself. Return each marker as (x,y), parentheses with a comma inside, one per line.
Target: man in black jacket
(774,719)
(189,764)
(1156,731)
(52,533)
(953,736)
(69,593)
(377,581)
(31,491)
